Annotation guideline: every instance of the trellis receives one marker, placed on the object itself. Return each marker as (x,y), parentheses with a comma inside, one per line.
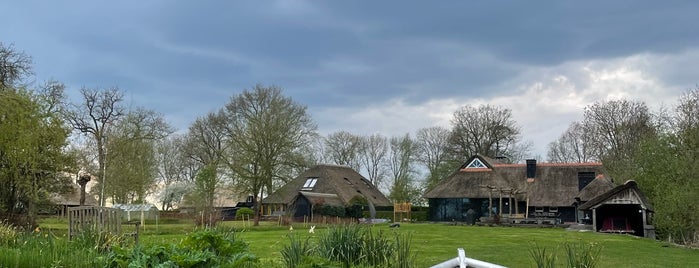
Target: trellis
(100,219)
(399,209)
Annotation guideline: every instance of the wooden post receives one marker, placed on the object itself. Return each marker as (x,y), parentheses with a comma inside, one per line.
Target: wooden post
(526,213)
(490,202)
(509,201)
(594,219)
(500,207)
(138,231)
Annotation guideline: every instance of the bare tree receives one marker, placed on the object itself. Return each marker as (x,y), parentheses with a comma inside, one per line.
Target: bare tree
(266,131)
(486,130)
(343,148)
(686,117)
(616,129)
(206,139)
(131,165)
(372,156)
(173,167)
(14,66)
(92,117)
(206,146)
(432,145)
(574,145)
(401,157)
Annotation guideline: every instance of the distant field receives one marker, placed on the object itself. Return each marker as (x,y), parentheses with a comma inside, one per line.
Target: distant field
(434,243)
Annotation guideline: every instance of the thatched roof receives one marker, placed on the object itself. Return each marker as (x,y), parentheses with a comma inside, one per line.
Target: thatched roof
(599,185)
(341,181)
(555,184)
(319,198)
(629,185)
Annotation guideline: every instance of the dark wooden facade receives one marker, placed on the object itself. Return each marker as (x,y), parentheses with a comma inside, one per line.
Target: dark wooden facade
(623,209)
(531,192)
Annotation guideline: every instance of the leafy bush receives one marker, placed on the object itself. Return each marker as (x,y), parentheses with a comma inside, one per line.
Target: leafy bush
(91,238)
(350,246)
(578,255)
(8,234)
(333,211)
(297,250)
(342,243)
(203,248)
(543,258)
(581,255)
(243,213)
(219,241)
(354,211)
(40,249)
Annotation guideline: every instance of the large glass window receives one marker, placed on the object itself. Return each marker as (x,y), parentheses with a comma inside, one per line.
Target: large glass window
(310,183)
(476,163)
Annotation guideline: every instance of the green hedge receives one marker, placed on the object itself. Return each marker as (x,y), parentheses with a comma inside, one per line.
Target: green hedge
(414,215)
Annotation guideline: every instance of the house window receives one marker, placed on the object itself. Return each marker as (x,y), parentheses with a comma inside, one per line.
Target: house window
(310,183)
(476,163)
(348,181)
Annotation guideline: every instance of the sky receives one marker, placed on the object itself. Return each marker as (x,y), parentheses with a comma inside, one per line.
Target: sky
(388,67)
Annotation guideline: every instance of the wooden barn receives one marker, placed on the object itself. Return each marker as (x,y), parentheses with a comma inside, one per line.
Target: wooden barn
(322,185)
(623,209)
(533,192)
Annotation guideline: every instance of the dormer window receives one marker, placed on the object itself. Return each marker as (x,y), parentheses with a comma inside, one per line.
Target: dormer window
(476,163)
(310,183)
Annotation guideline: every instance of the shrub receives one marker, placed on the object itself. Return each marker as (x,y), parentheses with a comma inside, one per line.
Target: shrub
(350,246)
(101,241)
(333,211)
(543,258)
(203,248)
(578,255)
(243,213)
(8,234)
(342,244)
(354,211)
(40,249)
(581,255)
(296,252)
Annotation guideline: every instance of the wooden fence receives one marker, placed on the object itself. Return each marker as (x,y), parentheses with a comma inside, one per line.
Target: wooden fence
(99,219)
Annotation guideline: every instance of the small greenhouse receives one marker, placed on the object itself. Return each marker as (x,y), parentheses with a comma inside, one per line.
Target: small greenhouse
(139,212)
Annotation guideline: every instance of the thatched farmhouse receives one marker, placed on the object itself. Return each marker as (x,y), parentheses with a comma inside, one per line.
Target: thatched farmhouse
(623,209)
(533,192)
(323,185)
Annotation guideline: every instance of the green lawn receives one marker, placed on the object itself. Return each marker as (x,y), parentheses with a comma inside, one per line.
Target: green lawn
(434,243)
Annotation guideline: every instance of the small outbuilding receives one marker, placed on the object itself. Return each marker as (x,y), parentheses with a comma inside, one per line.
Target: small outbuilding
(320,185)
(138,211)
(623,209)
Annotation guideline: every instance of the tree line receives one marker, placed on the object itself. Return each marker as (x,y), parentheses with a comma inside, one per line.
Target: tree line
(261,139)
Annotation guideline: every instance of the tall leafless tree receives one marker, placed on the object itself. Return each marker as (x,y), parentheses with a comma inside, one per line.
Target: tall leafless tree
(173,167)
(432,145)
(372,156)
(574,145)
(343,148)
(616,129)
(485,129)
(401,165)
(14,66)
(99,109)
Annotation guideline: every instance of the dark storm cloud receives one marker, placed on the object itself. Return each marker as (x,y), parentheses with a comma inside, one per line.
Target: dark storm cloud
(186,58)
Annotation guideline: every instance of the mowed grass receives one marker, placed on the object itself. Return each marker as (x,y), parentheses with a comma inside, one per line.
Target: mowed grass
(435,242)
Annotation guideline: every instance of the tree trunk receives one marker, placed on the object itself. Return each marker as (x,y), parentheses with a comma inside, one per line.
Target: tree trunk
(256,208)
